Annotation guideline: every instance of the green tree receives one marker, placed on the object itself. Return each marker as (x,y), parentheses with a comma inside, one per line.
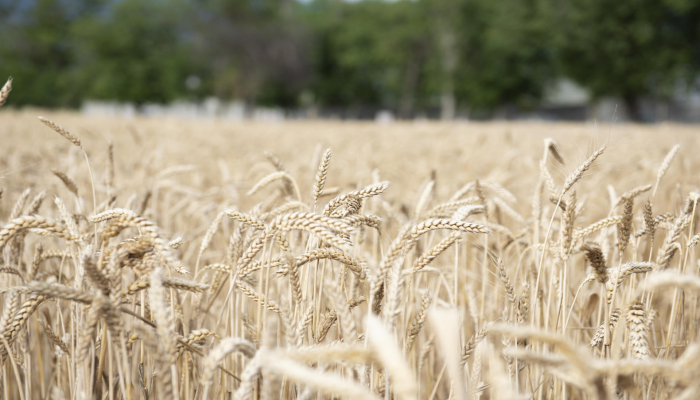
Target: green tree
(444,17)
(64,51)
(257,49)
(427,55)
(138,51)
(507,55)
(369,53)
(37,50)
(632,48)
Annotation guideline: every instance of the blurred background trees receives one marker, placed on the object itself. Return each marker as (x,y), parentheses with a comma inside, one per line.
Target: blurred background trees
(414,57)
(631,49)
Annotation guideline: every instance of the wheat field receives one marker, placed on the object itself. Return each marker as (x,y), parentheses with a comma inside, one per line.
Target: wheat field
(175,259)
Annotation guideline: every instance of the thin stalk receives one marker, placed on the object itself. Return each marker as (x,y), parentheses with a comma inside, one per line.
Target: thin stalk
(14,367)
(533,299)
(681,269)
(101,362)
(94,196)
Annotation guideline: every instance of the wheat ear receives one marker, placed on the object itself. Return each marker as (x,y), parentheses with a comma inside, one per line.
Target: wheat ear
(578,172)
(321,174)
(418,321)
(67,181)
(664,166)
(634,193)
(5,91)
(438,249)
(637,325)
(62,131)
(595,257)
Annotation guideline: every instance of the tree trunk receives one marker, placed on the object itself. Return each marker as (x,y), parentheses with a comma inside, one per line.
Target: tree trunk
(410,83)
(447,105)
(444,22)
(633,107)
(448,48)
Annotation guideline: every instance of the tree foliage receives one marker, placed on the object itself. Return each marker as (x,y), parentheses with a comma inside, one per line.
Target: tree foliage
(138,52)
(410,56)
(631,48)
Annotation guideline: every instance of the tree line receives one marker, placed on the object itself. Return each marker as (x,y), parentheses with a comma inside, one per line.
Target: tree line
(408,56)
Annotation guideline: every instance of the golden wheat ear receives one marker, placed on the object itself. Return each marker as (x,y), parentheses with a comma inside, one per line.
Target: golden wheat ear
(5,91)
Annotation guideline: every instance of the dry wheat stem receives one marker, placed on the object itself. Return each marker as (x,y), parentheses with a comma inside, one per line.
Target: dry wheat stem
(387,350)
